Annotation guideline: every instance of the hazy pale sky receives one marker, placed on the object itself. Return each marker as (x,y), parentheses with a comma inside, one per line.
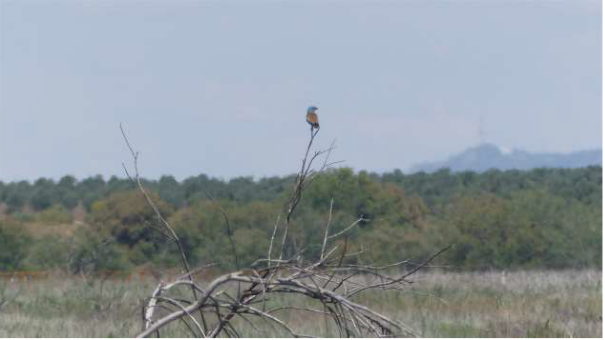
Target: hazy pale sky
(221,87)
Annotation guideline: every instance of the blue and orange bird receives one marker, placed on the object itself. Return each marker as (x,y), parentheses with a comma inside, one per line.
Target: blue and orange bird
(312,117)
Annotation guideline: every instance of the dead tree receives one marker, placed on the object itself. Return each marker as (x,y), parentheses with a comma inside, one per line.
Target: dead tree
(330,281)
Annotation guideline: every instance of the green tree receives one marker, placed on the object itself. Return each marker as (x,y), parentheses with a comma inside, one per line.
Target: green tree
(14,244)
(127,218)
(66,191)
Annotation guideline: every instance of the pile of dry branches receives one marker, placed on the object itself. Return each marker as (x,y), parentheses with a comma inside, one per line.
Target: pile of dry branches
(330,281)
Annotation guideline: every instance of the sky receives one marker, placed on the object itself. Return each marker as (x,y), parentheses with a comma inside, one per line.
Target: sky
(222,87)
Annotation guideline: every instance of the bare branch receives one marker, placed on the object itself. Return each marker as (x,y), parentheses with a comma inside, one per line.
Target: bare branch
(325,241)
(173,236)
(361,219)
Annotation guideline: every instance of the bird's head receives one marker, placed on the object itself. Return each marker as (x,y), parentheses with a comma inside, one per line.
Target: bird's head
(311,109)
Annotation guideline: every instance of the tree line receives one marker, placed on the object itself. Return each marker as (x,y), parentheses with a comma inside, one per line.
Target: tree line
(541,218)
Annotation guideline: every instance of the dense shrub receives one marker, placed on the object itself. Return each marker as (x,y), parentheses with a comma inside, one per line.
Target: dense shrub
(14,244)
(542,218)
(56,214)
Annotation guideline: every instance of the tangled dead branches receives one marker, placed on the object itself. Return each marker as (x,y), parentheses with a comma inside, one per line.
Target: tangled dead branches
(329,282)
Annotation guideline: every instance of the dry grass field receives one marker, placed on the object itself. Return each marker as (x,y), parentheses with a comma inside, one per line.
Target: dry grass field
(494,304)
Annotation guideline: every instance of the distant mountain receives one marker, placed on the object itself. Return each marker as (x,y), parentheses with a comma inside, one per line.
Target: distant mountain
(489,156)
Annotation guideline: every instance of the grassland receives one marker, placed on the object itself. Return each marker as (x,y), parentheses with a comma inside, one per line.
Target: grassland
(495,304)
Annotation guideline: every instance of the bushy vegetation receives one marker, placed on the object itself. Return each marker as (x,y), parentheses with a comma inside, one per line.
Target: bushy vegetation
(543,218)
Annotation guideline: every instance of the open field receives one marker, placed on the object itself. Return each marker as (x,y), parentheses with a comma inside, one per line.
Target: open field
(495,304)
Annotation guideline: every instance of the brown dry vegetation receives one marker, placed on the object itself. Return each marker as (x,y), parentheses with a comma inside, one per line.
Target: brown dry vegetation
(40,230)
(495,304)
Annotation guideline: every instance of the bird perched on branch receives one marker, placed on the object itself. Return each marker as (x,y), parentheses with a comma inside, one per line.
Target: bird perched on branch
(312,117)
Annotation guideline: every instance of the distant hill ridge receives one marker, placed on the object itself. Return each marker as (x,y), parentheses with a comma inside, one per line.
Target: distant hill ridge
(489,156)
